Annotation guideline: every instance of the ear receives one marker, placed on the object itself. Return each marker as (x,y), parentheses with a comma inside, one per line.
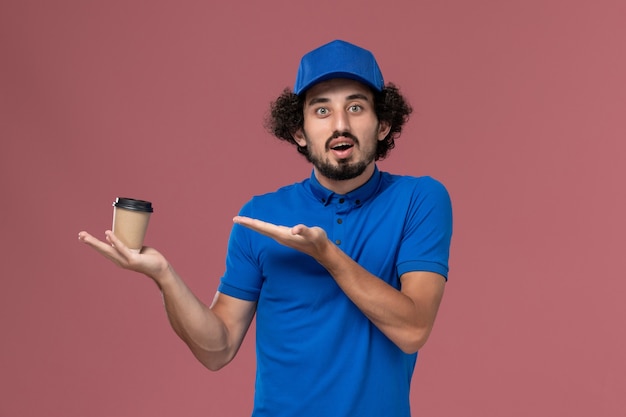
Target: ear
(383,130)
(298,136)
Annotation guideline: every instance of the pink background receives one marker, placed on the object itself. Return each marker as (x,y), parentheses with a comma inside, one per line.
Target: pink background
(519,110)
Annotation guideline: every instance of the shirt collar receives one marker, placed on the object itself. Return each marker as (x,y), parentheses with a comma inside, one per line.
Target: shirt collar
(356,197)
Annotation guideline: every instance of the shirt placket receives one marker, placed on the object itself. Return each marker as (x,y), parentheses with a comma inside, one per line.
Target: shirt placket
(339,220)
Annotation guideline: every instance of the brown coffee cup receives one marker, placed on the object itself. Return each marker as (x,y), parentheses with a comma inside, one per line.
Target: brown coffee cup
(130,221)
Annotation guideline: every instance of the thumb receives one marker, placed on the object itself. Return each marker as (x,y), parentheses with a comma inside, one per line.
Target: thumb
(300,230)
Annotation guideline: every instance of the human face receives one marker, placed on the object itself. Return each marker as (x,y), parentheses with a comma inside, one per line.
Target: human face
(341,131)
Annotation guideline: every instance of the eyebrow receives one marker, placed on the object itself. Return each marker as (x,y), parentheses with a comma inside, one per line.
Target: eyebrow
(355,96)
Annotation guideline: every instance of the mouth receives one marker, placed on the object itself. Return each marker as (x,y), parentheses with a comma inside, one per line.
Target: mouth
(342,146)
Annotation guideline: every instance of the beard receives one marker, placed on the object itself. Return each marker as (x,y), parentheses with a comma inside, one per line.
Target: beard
(341,172)
(343,169)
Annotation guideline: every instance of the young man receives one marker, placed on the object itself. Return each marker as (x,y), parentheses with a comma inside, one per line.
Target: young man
(345,271)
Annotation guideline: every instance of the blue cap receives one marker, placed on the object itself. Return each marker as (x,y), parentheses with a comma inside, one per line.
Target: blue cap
(338,59)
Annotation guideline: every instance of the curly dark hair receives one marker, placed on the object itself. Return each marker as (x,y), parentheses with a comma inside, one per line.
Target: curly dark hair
(286,117)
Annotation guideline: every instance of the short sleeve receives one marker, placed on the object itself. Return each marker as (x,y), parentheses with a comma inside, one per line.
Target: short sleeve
(243,278)
(428,230)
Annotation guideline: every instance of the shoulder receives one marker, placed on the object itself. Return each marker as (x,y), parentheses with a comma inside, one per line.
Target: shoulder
(418,187)
(277,200)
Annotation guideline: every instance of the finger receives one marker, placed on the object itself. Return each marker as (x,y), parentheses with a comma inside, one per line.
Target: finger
(300,230)
(92,241)
(104,248)
(258,225)
(120,246)
(249,222)
(114,240)
(83,235)
(282,234)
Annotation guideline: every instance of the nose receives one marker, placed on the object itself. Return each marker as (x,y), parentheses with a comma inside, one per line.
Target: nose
(341,121)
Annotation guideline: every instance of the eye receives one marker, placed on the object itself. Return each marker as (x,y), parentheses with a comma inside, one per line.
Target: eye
(322,111)
(355,108)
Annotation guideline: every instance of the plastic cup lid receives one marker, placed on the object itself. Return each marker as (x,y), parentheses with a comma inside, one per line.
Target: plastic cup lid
(132,204)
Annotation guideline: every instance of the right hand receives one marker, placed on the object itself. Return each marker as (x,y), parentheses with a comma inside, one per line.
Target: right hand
(148,261)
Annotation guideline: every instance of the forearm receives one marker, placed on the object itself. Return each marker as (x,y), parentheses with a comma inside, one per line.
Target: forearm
(404,320)
(197,325)
(406,317)
(193,321)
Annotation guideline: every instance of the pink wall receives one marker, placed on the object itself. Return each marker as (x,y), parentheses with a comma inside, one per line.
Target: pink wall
(519,110)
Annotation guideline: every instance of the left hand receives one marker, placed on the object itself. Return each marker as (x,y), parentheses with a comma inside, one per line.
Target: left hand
(310,240)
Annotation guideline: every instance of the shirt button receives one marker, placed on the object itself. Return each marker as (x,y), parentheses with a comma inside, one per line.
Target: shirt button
(339,221)
(338,242)
(341,200)
(358,202)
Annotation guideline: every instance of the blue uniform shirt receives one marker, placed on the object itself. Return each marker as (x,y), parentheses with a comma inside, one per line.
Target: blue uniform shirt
(317,354)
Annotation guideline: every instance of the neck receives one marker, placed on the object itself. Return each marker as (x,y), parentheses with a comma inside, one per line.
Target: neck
(345,186)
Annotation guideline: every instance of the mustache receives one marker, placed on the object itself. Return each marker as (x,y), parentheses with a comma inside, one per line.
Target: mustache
(337,134)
